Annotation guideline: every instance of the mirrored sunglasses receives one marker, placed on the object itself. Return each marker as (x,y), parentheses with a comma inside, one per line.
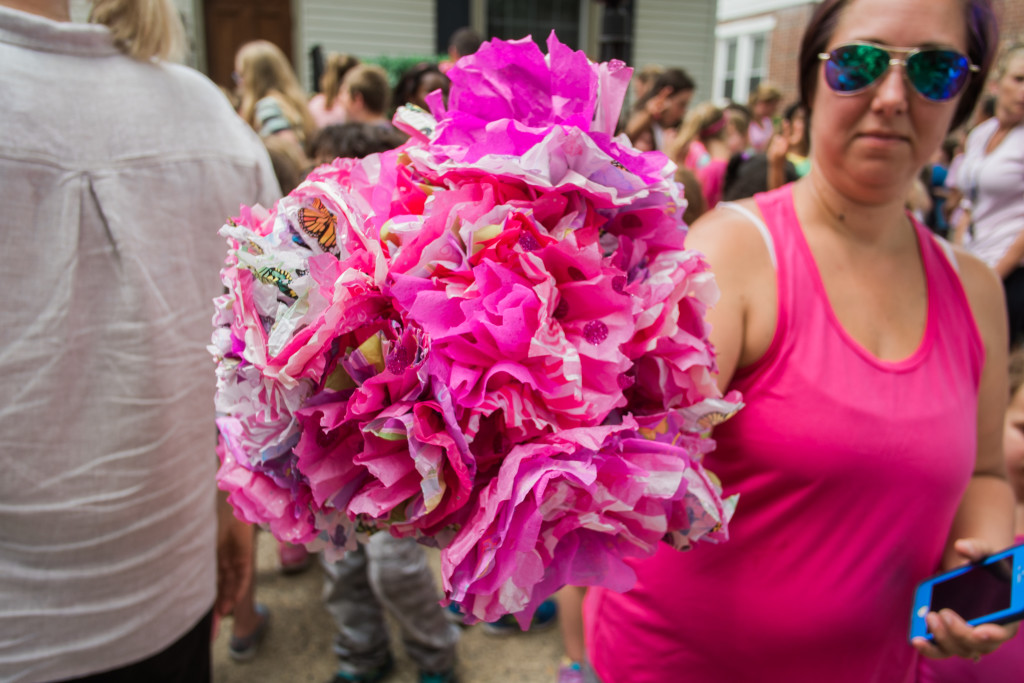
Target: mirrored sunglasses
(937,73)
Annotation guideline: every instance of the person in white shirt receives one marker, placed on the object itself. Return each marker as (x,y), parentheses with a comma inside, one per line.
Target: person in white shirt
(117,168)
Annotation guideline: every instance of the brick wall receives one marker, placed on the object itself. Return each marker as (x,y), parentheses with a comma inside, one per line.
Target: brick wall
(784,52)
(1010,14)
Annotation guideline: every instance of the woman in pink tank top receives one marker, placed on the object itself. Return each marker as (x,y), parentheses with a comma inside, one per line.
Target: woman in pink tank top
(873,368)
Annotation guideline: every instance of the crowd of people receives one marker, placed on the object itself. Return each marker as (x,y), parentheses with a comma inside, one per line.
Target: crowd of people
(868,242)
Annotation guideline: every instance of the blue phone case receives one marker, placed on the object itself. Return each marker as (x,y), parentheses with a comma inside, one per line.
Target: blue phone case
(993,586)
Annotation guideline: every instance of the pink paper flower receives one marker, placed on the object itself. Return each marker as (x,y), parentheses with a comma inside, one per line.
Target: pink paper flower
(568,510)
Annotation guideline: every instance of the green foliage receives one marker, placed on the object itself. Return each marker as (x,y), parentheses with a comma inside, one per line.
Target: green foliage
(396,66)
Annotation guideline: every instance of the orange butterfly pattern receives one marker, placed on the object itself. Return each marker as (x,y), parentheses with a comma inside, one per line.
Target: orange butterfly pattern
(317,221)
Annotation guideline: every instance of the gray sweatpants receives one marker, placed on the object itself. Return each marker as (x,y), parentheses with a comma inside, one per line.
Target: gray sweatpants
(387,573)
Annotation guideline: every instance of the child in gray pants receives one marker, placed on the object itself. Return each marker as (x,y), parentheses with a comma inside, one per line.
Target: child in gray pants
(388,573)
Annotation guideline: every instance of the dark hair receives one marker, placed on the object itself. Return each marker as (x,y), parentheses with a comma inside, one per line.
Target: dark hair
(409,83)
(1016,368)
(949,147)
(738,112)
(290,165)
(465,40)
(675,79)
(988,106)
(789,113)
(982,42)
(745,176)
(354,140)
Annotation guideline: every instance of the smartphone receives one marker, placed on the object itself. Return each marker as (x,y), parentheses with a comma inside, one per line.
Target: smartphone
(986,592)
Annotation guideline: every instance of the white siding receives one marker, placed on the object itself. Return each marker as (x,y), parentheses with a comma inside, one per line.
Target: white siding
(677,33)
(734,9)
(366,29)
(190,11)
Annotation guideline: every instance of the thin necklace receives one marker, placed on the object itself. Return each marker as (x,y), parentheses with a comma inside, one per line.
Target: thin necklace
(837,215)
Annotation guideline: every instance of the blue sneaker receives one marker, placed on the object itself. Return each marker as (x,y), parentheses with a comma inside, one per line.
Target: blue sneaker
(371,676)
(438,677)
(544,618)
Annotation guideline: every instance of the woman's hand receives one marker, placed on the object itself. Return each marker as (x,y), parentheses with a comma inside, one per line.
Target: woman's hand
(657,104)
(951,635)
(775,154)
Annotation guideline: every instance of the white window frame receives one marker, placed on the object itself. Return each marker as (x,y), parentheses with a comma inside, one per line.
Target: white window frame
(744,33)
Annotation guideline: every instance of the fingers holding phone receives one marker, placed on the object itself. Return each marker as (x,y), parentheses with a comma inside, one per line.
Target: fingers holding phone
(954,637)
(971,610)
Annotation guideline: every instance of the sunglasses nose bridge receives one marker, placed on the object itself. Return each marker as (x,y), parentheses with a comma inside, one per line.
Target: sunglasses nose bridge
(902,63)
(884,89)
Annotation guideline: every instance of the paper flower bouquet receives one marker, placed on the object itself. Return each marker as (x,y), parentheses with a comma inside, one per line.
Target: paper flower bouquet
(490,339)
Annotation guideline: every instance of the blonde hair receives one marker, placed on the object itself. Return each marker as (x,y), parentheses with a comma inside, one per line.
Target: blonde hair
(143,29)
(703,122)
(334,73)
(648,74)
(1008,53)
(766,92)
(371,83)
(265,72)
(696,205)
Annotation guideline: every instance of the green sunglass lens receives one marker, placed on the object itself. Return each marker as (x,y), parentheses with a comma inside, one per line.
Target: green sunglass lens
(855,67)
(937,74)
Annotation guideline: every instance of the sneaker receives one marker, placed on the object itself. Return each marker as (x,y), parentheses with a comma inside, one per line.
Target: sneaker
(570,672)
(543,618)
(441,677)
(294,559)
(371,676)
(244,649)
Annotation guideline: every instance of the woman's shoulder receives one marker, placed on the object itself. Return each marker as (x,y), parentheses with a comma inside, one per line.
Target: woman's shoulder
(732,235)
(983,288)
(740,254)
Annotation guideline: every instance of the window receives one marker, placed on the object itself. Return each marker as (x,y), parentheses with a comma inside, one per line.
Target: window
(508,19)
(741,58)
(729,79)
(758,62)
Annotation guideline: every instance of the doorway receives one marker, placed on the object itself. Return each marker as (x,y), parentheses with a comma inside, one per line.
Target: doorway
(233,23)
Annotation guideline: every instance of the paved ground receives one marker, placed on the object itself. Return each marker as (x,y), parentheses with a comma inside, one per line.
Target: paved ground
(297,648)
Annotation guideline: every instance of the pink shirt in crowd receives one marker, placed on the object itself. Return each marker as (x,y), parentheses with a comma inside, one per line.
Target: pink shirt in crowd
(322,116)
(760,132)
(712,181)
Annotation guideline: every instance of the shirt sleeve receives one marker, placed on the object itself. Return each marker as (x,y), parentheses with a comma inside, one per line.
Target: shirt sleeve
(271,117)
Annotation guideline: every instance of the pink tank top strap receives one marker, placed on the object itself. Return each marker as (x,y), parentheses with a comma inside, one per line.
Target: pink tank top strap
(802,297)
